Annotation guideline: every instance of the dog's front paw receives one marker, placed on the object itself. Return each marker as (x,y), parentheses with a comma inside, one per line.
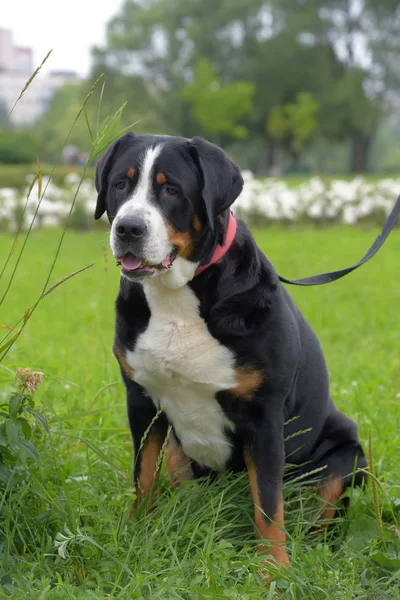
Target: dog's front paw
(275,565)
(143,502)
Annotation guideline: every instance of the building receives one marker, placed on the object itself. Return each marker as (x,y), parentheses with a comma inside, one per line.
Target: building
(13,58)
(23,60)
(16,66)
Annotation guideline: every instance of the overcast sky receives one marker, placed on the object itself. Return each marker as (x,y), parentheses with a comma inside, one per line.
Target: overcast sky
(70,27)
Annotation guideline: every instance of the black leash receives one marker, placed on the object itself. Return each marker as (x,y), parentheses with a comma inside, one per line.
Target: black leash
(333,275)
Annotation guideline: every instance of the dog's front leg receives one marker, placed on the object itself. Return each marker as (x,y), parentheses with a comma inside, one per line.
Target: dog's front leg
(148,433)
(264,459)
(178,464)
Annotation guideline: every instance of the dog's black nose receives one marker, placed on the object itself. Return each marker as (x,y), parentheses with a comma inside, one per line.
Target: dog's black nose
(131,227)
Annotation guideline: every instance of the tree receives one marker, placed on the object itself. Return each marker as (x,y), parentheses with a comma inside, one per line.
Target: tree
(17,147)
(342,52)
(54,127)
(144,59)
(3,114)
(363,37)
(162,41)
(295,123)
(215,106)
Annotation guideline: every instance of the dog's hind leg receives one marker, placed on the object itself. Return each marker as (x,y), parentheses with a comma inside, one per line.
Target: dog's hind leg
(342,460)
(340,473)
(329,493)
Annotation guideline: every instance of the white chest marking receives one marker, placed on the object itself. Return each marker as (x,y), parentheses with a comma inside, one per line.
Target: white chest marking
(181,366)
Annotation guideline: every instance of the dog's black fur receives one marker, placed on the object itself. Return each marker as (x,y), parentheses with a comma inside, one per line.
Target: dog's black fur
(246,309)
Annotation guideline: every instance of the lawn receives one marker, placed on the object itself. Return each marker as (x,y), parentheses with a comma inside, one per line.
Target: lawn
(198,542)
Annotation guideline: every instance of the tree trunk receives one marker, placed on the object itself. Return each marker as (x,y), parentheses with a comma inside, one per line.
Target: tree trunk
(361,144)
(295,155)
(270,154)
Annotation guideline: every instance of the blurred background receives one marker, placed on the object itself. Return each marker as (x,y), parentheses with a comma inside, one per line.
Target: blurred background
(285,86)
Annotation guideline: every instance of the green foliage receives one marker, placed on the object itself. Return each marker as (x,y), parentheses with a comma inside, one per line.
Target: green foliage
(3,113)
(163,53)
(296,121)
(215,106)
(17,147)
(55,125)
(17,431)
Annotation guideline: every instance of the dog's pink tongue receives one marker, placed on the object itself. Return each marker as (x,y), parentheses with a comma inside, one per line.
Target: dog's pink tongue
(167,262)
(130,262)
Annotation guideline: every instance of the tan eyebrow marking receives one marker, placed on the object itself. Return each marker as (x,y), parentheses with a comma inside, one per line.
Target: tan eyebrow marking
(161,178)
(130,173)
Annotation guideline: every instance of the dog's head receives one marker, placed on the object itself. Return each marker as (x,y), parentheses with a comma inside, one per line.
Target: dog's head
(165,197)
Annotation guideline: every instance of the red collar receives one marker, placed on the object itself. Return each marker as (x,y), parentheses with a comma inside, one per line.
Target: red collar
(221,250)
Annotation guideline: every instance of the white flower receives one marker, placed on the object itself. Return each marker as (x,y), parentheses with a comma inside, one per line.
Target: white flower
(72,179)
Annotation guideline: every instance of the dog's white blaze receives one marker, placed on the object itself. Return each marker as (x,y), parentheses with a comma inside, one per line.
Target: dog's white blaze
(181,366)
(157,246)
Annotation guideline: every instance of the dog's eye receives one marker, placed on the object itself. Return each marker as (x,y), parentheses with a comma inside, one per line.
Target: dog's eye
(171,191)
(120,185)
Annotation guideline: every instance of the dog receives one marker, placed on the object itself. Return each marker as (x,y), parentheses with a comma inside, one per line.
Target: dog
(212,349)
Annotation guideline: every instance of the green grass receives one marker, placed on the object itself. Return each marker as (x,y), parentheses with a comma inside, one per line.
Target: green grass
(198,542)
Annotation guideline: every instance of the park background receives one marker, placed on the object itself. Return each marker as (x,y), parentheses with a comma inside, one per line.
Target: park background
(305,96)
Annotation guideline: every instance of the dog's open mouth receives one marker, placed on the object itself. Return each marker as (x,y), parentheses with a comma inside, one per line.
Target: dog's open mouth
(134,265)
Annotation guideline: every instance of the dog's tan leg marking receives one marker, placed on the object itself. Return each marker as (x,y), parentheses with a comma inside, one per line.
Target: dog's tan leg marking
(248,380)
(178,464)
(149,469)
(329,493)
(272,532)
(121,358)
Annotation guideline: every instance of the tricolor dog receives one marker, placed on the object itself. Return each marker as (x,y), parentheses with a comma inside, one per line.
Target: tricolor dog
(208,337)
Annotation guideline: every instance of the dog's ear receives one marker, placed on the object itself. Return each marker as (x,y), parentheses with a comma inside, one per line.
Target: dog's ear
(222,180)
(103,169)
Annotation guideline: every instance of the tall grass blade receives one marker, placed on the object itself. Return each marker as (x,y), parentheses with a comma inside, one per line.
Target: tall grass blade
(375,495)
(64,279)
(99,106)
(88,125)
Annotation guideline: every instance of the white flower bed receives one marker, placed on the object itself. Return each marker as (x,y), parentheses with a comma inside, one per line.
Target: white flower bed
(54,207)
(339,200)
(261,201)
